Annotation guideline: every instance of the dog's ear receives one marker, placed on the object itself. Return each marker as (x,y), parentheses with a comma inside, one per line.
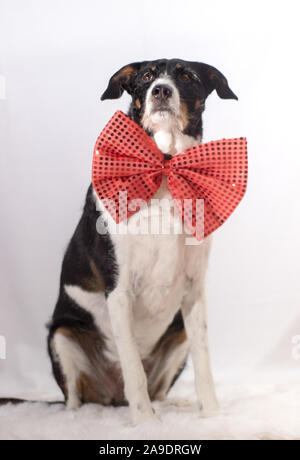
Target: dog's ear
(120,81)
(212,79)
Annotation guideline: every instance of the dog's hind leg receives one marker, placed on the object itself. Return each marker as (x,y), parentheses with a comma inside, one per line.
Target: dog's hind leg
(69,362)
(167,360)
(81,369)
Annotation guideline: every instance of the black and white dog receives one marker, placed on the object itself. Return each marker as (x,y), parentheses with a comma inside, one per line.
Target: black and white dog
(131,307)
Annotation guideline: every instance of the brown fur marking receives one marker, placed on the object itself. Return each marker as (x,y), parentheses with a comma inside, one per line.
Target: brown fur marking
(126,73)
(156,363)
(198,104)
(154,390)
(95,282)
(65,332)
(184,114)
(87,389)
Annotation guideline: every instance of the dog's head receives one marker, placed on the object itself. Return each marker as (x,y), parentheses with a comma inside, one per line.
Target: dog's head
(168,92)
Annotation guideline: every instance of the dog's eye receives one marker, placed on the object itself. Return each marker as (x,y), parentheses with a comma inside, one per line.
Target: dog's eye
(184,76)
(147,76)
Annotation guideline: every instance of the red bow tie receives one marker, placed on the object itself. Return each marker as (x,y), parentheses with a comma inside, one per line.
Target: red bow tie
(127,160)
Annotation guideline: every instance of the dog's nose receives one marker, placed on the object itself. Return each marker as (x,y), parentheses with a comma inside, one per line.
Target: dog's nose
(162,92)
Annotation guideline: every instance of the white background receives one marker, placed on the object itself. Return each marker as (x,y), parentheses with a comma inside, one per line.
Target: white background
(57,57)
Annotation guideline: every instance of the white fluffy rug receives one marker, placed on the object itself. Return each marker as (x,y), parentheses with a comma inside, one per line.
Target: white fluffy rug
(263,406)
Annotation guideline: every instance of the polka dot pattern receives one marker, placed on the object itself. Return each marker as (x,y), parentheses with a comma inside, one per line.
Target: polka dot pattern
(127,160)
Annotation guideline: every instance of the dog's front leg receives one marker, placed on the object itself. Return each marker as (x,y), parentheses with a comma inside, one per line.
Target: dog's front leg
(135,381)
(194,314)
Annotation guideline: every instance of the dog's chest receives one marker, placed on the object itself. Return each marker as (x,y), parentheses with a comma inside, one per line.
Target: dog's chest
(158,283)
(152,260)
(152,269)
(151,255)
(156,264)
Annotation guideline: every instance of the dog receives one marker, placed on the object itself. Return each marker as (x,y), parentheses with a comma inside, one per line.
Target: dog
(131,306)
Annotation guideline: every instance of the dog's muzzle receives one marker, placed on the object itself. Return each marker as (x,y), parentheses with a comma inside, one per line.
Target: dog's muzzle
(160,95)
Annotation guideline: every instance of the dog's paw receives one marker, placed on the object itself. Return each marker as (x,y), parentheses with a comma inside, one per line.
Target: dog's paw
(144,417)
(177,402)
(209,408)
(73,403)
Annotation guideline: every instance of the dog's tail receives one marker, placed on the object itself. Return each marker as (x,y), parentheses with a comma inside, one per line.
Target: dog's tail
(4,401)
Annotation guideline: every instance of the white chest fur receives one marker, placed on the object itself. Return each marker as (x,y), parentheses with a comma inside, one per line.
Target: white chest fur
(154,269)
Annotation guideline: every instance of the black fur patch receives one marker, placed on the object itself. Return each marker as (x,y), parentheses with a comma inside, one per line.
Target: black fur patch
(86,244)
